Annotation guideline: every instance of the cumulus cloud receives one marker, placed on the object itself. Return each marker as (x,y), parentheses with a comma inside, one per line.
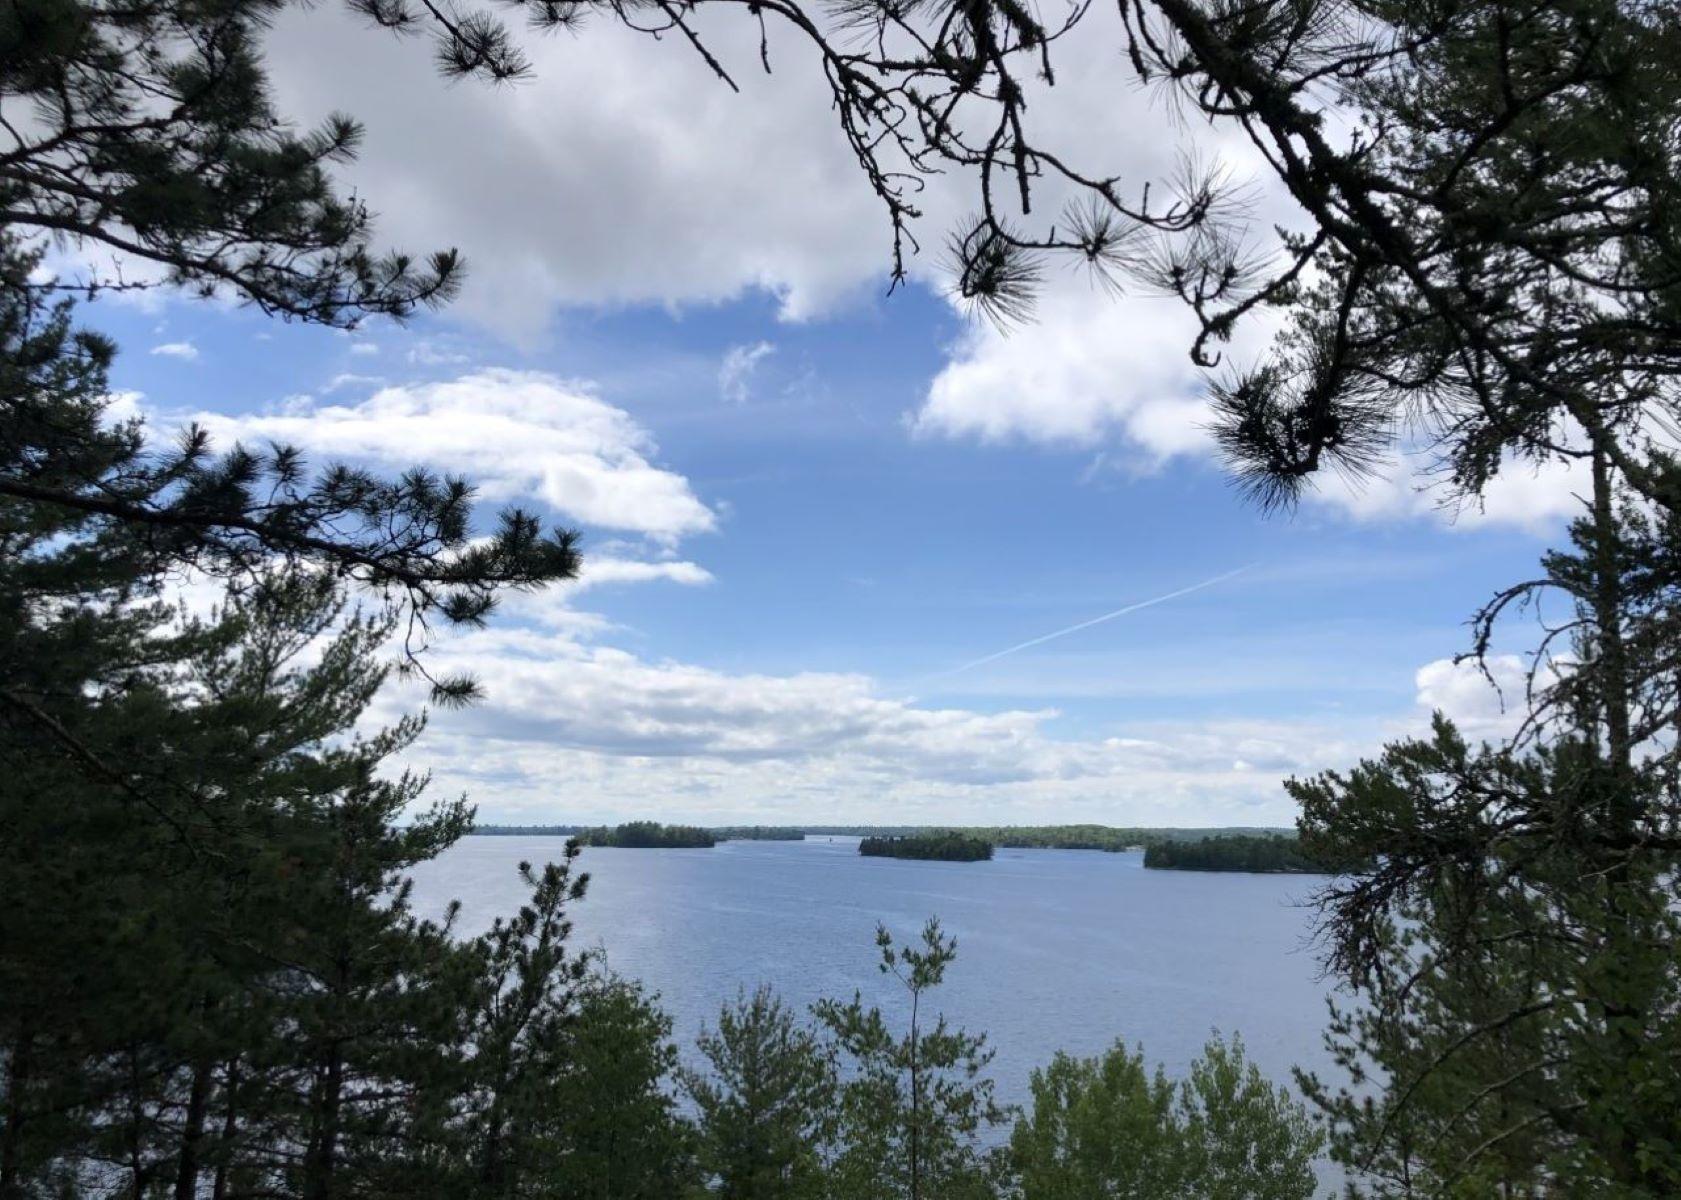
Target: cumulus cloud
(518,435)
(1523,495)
(576,730)
(662,185)
(1484,705)
(735,373)
(1088,369)
(622,172)
(348,379)
(185,351)
(666,187)
(603,570)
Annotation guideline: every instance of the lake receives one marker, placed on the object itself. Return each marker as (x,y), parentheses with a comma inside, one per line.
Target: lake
(1057,949)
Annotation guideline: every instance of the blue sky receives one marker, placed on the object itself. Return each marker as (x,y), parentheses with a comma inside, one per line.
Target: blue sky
(806,502)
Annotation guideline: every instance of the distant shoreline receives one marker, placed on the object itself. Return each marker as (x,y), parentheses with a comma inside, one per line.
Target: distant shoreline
(1244,849)
(1057,837)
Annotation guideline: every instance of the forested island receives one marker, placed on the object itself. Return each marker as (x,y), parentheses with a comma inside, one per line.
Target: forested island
(941,847)
(648,835)
(1256,854)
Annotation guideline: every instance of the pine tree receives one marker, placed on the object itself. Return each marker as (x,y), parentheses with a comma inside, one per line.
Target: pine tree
(526,994)
(1512,934)
(211,975)
(914,1106)
(612,1128)
(765,1106)
(1109,1127)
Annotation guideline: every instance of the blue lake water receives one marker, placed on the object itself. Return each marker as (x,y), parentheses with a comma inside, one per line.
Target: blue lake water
(1057,949)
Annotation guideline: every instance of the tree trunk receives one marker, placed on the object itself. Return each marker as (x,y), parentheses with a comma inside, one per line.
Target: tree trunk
(192,1133)
(1621,1000)
(916,1108)
(18,1065)
(324,1137)
(230,1128)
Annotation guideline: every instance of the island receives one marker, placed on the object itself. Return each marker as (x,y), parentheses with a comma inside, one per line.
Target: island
(939,847)
(648,835)
(1261,855)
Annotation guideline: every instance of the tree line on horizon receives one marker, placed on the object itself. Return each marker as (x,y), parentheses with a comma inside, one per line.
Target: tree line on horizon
(211,981)
(719,833)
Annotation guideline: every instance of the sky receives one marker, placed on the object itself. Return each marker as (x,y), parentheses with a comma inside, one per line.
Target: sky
(830,531)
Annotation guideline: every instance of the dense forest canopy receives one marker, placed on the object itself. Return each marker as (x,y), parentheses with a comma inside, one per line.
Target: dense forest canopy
(939,847)
(1257,854)
(758,833)
(647,835)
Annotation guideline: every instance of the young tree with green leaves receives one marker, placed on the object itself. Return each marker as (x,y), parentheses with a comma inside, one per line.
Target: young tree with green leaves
(1109,1127)
(914,1105)
(613,1129)
(525,994)
(765,1105)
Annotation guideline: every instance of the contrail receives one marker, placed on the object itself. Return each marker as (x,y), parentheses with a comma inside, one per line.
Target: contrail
(1109,616)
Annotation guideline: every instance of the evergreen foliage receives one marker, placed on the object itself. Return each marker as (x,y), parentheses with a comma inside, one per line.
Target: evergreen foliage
(765,1105)
(1258,854)
(941,847)
(92,509)
(614,1131)
(914,1107)
(1108,1127)
(1512,935)
(211,979)
(649,835)
(566,831)
(1112,838)
(758,833)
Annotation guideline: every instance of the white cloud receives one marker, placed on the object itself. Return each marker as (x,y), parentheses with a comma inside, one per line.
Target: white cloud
(347,379)
(660,185)
(521,436)
(428,353)
(735,373)
(185,351)
(666,187)
(364,349)
(1087,369)
(573,729)
(1112,377)
(604,570)
(1484,705)
(663,185)
(1523,495)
